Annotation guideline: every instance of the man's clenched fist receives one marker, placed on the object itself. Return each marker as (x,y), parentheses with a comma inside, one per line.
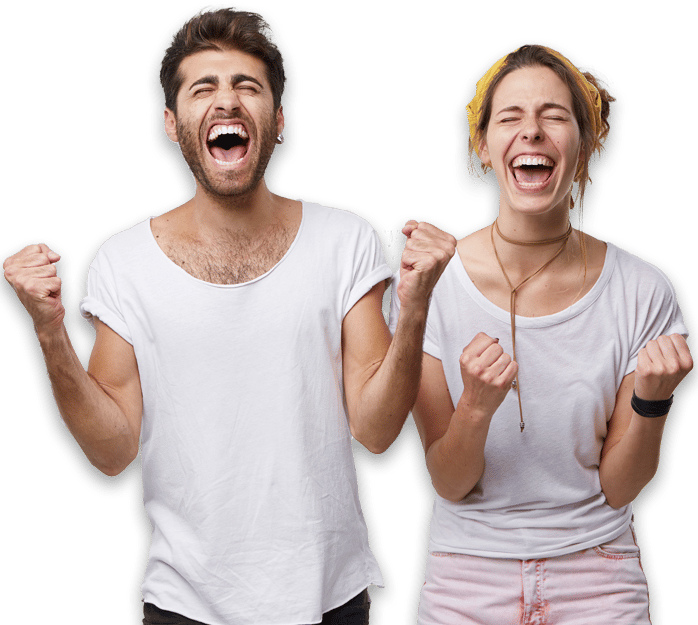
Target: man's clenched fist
(32,274)
(427,252)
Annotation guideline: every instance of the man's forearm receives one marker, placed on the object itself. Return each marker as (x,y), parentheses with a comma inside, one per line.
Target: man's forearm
(389,394)
(388,382)
(92,416)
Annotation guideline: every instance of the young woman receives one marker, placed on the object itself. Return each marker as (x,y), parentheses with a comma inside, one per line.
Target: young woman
(550,362)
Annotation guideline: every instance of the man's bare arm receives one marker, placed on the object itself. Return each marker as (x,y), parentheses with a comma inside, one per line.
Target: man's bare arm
(381,377)
(102,407)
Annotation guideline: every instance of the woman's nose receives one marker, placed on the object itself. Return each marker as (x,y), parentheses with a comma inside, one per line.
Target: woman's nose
(532,130)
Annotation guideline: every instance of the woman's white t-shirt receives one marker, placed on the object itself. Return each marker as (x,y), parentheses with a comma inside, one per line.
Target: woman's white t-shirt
(540,494)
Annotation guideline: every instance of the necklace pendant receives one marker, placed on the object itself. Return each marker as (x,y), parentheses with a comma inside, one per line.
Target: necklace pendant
(522,425)
(513,384)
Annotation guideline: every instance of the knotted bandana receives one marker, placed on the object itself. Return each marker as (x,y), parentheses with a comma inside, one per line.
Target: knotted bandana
(592,98)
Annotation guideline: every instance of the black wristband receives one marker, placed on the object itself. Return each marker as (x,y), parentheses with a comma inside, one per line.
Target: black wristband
(651,409)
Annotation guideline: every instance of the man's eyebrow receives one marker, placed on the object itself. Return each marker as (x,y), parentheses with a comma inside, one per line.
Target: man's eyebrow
(238,78)
(206,80)
(235,80)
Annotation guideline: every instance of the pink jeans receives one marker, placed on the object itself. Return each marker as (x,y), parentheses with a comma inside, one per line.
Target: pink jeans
(600,586)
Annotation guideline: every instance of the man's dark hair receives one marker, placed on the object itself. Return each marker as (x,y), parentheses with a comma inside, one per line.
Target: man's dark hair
(224,29)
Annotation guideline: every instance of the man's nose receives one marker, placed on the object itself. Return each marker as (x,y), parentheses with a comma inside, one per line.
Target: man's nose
(227,100)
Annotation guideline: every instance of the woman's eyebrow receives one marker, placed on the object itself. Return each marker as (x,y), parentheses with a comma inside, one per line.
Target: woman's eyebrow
(547,105)
(509,109)
(555,105)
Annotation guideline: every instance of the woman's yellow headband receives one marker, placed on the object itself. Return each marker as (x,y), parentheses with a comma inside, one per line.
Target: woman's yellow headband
(592,98)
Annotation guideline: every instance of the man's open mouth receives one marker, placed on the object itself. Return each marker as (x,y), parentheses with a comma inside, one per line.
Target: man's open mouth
(532,171)
(228,143)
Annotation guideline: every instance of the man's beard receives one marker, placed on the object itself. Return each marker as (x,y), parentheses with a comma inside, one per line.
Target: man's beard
(190,144)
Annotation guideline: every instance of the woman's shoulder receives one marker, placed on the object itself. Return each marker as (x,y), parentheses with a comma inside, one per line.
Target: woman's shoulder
(477,239)
(475,252)
(639,274)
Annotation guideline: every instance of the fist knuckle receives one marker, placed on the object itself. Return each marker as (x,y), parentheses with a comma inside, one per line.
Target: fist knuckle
(466,364)
(477,369)
(503,385)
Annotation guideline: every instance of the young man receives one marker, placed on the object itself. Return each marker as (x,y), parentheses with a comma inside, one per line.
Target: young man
(239,338)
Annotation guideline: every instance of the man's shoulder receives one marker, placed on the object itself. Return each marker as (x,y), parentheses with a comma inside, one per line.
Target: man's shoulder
(344,221)
(127,244)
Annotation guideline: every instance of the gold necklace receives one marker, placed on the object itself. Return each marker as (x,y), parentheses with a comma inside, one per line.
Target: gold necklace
(512,303)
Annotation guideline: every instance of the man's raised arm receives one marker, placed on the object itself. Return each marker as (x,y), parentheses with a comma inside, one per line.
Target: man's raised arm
(102,407)
(381,377)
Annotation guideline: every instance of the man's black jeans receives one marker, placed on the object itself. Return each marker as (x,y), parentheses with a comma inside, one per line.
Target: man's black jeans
(353,612)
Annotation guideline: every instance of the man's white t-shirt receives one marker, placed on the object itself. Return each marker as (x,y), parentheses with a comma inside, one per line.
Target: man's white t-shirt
(540,495)
(248,473)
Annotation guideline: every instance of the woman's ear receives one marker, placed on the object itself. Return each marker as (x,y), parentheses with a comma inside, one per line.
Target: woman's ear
(484,154)
(581,159)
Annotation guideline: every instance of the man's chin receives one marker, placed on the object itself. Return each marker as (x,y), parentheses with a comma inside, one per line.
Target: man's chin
(238,187)
(222,182)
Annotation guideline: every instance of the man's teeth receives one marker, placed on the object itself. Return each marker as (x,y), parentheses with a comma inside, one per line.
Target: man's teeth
(532,160)
(218,130)
(228,163)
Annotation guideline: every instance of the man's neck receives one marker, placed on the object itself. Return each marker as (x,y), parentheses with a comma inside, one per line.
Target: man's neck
(246,213)
(228,240)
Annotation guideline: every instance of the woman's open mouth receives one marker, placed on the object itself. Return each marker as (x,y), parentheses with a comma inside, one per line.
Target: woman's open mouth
(532,172)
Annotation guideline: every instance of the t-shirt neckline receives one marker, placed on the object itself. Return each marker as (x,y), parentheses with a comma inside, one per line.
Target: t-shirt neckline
(545,320)
(180,271)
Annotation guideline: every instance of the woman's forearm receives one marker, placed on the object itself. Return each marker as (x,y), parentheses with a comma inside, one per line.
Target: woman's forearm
(456,461)
(630,464)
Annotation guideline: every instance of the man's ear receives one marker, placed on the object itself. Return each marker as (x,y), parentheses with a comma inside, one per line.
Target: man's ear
(171,125)
(280,121)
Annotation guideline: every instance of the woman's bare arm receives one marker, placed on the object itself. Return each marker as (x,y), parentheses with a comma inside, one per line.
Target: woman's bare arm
(630,454)
(454,438)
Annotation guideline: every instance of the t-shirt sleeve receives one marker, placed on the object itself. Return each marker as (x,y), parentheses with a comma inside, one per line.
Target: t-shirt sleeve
(657,313)
(102,299)
(369,268)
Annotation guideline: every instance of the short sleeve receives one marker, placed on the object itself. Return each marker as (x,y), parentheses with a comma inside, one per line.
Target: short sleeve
(369,267)
(657,313)
(102,298)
